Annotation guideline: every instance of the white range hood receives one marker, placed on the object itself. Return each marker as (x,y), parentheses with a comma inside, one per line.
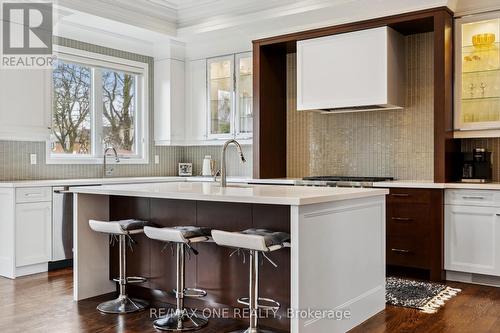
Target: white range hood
(351,72)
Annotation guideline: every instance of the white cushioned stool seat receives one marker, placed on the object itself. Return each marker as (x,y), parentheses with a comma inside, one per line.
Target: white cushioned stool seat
(252,239)
(179,234)
(122,227)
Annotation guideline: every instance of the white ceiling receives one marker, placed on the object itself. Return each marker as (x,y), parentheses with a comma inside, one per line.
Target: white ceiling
(205,23)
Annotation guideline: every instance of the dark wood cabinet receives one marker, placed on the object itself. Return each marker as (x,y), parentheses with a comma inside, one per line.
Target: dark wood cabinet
(415,230)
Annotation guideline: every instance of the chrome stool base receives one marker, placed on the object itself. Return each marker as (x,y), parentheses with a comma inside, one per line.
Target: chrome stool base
(123,304)
(253,330)
(180,321)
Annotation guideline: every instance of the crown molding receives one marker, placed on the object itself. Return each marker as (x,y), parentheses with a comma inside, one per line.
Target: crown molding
(129,12)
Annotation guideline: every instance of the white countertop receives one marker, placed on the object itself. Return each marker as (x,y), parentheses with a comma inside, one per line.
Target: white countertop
(410,184)
(431,184)
(262,194)
(132,180)
(236,180)
(88,181)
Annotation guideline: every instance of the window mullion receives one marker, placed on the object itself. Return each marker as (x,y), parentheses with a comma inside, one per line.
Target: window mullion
(97,113)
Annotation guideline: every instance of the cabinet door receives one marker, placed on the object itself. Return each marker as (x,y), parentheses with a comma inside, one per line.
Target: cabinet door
(472,236)
(33,233)
(244,95)
(220,76)
(477,73)
(23,118)
(196,102)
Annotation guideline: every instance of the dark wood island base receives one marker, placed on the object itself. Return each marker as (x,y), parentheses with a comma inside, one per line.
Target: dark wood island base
(224,278)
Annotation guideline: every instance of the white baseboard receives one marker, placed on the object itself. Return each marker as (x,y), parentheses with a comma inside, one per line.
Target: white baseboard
(32,269)
(486,280)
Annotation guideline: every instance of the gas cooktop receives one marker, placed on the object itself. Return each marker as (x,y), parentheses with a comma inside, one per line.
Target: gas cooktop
(342,181)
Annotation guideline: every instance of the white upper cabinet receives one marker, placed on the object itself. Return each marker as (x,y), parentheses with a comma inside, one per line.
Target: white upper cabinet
(196,102)
(477,76)
(169,108)
(362,70)
(25,103)
(219,97)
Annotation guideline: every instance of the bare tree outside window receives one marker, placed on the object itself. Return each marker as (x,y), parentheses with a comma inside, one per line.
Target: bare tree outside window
(71,117)
(95,107)
(119,111)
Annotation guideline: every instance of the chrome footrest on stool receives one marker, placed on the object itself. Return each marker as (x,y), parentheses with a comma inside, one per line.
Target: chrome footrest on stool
(272,304)
(192,292)
(132,279)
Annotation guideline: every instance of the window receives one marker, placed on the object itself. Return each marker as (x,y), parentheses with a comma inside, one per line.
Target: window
(98,102)
(230,96)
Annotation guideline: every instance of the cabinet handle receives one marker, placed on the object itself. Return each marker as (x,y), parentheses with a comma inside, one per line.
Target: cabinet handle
(402,219)
(31,194)
(400,251)
(401,195)
(472,197)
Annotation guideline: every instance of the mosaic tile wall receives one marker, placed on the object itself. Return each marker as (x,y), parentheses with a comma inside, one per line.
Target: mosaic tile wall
(15,159)
(396,143)
(491,144)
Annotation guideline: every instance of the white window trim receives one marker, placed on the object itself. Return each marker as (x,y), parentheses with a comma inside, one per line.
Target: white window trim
(99,60)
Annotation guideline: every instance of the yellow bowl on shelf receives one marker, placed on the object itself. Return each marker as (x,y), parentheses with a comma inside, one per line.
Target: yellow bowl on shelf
(483,39)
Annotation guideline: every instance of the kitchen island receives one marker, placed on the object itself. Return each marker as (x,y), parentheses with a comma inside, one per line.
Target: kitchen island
(336,262)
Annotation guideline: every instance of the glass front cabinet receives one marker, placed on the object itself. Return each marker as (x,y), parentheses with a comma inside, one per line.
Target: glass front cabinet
(229,94)
(477,76)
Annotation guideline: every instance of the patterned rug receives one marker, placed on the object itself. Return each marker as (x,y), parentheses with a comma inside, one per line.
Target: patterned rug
(426,296)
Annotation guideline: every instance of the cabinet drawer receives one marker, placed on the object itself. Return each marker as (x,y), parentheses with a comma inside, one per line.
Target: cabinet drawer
(409,195)
(473,198)
(33,194)
(408,251)
(408,219)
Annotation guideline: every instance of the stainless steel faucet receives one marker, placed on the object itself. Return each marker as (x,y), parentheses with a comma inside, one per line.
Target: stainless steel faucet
(108,171)
(223,170)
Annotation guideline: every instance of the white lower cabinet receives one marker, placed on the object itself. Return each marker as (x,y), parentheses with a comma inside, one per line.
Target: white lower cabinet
(25,230)
(472,232)
(33,233)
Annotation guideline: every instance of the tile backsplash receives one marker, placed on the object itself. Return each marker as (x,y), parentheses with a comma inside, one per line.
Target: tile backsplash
(397,143)
(15,163)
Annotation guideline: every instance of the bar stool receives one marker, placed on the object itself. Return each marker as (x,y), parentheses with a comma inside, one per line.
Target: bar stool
(256,241)
(123,230)
(183,236)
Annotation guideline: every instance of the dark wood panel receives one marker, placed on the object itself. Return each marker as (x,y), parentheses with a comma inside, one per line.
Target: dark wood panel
(408,251)
(404,220)
(415,223)
(419,20)
(409,196)
(170,213)
(269,134)
(138,258)
(444,144)
(224,278)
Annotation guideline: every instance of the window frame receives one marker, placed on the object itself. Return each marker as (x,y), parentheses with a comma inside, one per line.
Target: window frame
(97,61)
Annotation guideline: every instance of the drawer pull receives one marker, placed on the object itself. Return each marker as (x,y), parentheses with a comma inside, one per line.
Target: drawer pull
(471,197)
(400,251)
(402,219)
(400,195)
(31,194)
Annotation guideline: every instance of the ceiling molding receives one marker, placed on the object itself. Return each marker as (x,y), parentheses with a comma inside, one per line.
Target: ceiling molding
(140,13)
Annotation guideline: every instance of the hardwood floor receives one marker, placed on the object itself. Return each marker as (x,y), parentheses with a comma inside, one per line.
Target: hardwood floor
(43,303)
